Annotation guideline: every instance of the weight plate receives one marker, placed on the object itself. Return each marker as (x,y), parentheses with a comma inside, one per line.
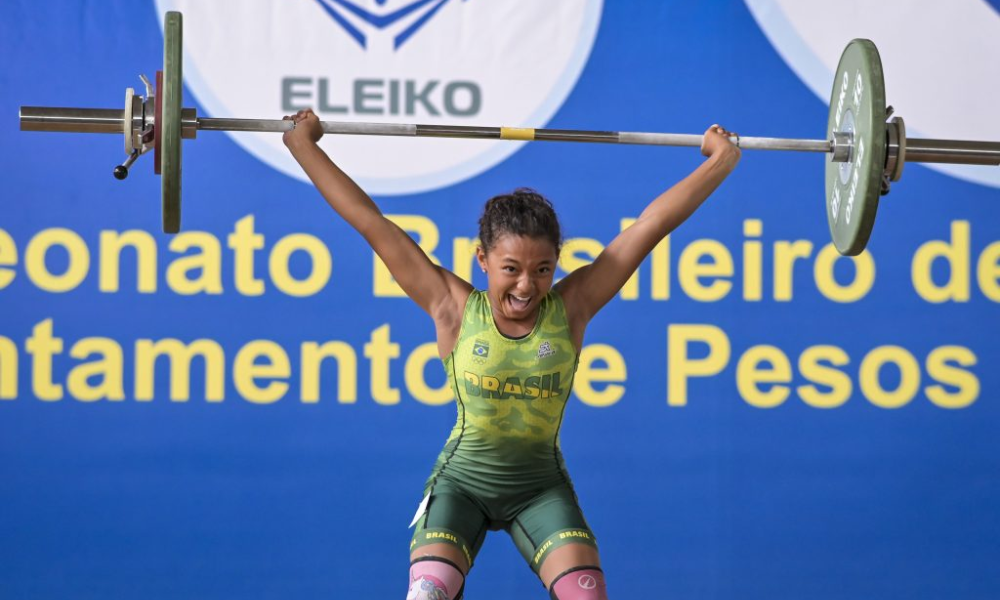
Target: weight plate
(857,106)
(169,122)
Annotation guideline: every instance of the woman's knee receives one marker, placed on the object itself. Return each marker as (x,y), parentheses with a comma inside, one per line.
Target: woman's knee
(437,572)
(573,572)
(449,552)
(579,583)
(566,557)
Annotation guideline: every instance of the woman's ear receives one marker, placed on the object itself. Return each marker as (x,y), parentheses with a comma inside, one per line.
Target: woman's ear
(481,258)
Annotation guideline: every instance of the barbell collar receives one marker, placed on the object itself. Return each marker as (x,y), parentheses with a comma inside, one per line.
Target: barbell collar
(895,158)
(843,144)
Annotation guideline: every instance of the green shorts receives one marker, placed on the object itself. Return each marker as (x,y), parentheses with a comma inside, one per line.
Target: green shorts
(538,523)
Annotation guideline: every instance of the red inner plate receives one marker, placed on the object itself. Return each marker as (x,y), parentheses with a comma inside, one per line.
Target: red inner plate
(157,119)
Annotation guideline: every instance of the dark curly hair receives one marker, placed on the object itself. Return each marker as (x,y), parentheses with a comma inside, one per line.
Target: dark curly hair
(522,212)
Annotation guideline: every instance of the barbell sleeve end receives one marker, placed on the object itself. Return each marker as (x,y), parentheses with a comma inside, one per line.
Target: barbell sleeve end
(71,120)
(960,152)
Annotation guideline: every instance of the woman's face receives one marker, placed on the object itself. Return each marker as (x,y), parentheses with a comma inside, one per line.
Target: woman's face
(519,271)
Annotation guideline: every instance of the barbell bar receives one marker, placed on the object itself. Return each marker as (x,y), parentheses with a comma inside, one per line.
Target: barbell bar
(102,120)
(109,120)
(866,149)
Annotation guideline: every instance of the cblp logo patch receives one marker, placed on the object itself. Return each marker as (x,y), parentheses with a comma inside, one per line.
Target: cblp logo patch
(442,62)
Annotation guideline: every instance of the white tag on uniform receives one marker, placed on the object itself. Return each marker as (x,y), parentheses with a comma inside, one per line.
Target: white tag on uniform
(421,510)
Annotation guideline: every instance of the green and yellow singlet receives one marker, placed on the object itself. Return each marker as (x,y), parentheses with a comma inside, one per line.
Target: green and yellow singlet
(502,467)
(511,395)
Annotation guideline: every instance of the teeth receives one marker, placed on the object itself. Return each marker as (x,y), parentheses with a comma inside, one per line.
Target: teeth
(518,301)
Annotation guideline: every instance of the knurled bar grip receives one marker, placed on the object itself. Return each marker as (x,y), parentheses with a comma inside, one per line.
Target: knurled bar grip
(512,133)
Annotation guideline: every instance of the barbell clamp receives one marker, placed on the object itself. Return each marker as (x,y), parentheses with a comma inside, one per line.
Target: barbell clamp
(121,171)
(843,146)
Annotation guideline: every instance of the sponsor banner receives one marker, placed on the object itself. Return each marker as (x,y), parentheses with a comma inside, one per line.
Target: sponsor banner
(251,408)
(461,62)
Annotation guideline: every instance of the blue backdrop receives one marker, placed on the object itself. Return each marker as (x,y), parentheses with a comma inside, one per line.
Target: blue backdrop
(817,440)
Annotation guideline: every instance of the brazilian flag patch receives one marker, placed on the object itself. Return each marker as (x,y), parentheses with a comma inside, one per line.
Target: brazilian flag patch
(481,349)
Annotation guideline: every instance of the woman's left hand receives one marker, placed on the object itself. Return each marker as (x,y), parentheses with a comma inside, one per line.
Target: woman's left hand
(307,128)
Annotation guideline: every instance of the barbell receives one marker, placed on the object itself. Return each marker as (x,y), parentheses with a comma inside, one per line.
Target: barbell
(866,148)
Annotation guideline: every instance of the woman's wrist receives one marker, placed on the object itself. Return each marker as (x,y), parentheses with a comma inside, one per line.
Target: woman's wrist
(725,159)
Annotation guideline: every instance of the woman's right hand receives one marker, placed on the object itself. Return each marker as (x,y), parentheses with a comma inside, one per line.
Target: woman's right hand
(718,143)
(307,128)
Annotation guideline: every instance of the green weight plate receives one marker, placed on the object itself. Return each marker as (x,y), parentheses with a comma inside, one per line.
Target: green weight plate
(170,128)
(857,106)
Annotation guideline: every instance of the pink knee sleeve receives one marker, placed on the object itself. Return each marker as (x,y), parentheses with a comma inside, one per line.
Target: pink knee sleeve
(434,579)
(585,583)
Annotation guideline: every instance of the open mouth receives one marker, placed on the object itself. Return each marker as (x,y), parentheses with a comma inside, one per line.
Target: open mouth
(518,303)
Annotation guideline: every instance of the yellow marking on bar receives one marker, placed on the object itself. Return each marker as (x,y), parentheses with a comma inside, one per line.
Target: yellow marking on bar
(517,133)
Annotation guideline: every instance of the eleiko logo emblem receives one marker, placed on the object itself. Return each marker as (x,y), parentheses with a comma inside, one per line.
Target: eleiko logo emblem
(340,9)
(587,582)
(438,62)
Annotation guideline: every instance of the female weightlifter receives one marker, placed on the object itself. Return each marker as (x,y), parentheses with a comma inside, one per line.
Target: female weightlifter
(510,353)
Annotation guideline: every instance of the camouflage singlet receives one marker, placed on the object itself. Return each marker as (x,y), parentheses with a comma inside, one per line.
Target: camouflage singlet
(502,460)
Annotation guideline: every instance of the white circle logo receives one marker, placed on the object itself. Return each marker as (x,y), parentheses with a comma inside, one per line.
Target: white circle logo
(940,61)
(587,582)
(458,62)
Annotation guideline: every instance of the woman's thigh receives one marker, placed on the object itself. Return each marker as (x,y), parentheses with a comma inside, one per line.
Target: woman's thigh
(452,527)
(553,536)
